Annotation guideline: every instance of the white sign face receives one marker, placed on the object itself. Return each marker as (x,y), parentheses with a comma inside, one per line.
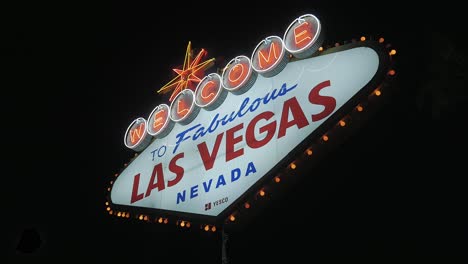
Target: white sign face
(204,166)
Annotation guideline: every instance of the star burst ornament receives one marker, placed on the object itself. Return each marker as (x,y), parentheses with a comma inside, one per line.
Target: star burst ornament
(191,73)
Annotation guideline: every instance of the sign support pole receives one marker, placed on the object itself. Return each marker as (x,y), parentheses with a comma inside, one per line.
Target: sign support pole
(224,241)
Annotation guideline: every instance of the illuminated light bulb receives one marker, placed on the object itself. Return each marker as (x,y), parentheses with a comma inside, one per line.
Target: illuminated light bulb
(107,203)
(182,224)
(207,227)
(277,179)
(125,164)
(128,215)
(391,72)
(140,217)
(392,52)
(309,152)
(321,49)
(166,221)
(381,40)
(342,123)
(213,229)
(232,218)
(293,166)
(337,44)
(187,225)
(108,208)
(378,92)
(160,220)
(116,175)
(325,138)
(247,205)
(112,182)
(359,108)
(118,214)
(111,212)
(108,189)
(262,193)
(363,38)
(145,218)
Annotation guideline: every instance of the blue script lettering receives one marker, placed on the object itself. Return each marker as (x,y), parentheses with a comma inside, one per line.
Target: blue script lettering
(246,106)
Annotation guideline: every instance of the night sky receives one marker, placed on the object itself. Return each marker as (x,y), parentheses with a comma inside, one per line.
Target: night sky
(79,74)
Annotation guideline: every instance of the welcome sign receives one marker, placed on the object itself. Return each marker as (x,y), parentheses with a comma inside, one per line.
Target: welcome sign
(202,153)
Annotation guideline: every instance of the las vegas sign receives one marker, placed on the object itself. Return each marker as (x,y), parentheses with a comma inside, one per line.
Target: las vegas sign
(204,152)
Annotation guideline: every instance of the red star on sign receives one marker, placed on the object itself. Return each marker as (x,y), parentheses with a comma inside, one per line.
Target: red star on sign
(191,73)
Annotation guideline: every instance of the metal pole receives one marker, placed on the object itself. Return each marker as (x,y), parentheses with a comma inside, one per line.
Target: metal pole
(224,257)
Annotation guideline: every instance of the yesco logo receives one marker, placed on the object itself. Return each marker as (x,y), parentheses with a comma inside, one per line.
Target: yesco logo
(223,133)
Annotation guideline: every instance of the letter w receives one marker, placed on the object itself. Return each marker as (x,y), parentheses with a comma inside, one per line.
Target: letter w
(136,133)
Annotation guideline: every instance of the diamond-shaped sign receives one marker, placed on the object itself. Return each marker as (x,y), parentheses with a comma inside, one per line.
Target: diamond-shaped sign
(212,146)
(205,166)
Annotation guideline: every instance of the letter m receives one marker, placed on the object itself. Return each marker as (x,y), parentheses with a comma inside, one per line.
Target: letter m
(268,58)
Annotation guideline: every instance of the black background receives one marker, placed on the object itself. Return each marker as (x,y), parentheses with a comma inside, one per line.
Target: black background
(79,74)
